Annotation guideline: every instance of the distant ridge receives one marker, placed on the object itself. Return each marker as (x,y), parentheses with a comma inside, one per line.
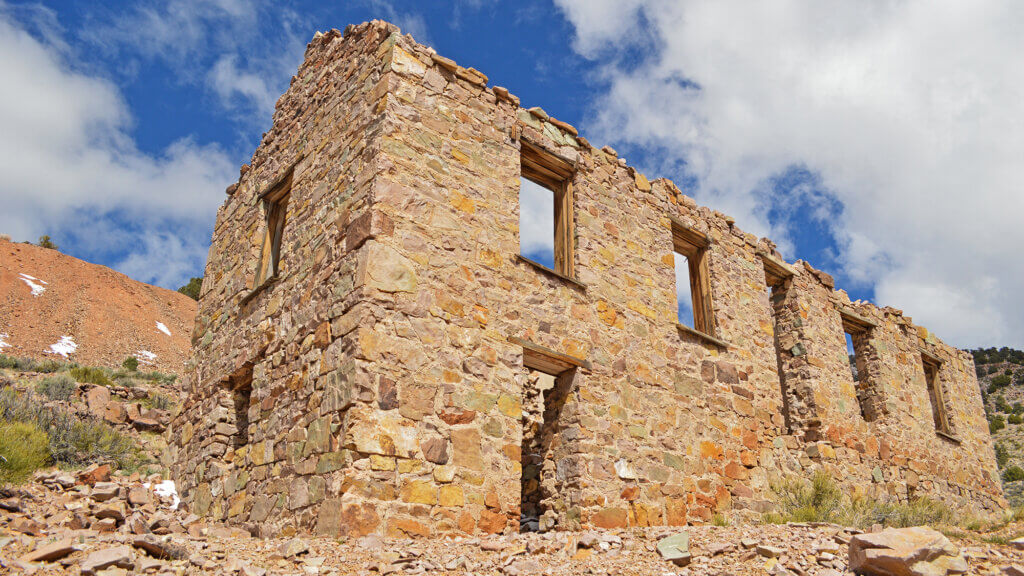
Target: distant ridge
(56,306)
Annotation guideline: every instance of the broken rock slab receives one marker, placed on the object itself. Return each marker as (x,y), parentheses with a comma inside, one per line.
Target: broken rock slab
(50,552)
(675,548)
(917,551)
(118,556)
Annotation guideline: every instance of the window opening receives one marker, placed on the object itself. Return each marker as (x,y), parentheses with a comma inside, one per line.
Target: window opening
(856,337)
(693,282)
(546,219)
(931,375)
(275,209)
(240,386)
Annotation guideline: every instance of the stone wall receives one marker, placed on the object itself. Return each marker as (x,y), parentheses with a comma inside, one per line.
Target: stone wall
(392,362)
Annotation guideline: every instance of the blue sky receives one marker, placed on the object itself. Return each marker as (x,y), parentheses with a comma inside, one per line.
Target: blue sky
(881,141)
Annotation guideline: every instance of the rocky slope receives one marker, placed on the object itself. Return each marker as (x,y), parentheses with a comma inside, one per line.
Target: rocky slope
(95,523)
(55,306)
(1001,378)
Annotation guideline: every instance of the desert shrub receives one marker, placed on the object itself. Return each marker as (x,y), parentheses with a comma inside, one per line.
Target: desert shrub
(158,377)
(24,448)
(815,501)
(1001,404)
(46,242)
(996,423)
(1001,381)
(72,441)
(1015,419)
(30,365)
(719,520)
(159,401)
(57,387)
(90,375)
(77,442)
(1013,474)
(821,500)
(130,363)
(1002,454)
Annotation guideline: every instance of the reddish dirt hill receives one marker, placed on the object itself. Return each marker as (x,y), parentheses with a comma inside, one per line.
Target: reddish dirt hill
(47,297)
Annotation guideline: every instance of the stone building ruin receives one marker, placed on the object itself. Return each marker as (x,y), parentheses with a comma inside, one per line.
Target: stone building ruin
(373,354)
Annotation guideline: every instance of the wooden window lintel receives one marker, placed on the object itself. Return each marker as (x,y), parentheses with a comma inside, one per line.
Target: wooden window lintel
(547,360)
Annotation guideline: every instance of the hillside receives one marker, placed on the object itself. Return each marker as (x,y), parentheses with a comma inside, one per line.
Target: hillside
(1001,378)
(55,306)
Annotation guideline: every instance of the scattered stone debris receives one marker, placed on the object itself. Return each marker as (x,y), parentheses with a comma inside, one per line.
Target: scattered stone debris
(149,537)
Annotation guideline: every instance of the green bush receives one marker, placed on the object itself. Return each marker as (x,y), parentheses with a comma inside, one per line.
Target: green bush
(130,364)
(57,387)
(996,423)
(72,441)
(90,375)
(47,242)
(1002,454)
(24,448)
(1015,419)
(1013,474)
(192,289)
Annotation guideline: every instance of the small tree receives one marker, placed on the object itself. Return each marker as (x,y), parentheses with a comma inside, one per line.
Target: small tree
(46,242)
(192,288)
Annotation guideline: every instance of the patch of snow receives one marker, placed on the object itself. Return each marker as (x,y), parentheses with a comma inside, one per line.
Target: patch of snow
(37,289)
(145,357)
(160,326)
(65,347)
(3,341)
(166,490)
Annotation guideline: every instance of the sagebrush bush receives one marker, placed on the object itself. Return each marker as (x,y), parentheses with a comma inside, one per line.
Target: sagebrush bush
(72,441)
(24,448)
(821,500)
(159,401)
(130,364)
(30,365)
(90,375)
(57,387)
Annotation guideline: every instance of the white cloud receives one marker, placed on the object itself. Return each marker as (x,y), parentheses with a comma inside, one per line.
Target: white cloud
(243,52)
(71,166)
(912,113)
(409,22)
(536,222)
(229,82)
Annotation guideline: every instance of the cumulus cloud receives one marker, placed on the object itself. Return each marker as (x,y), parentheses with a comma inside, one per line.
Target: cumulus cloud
(71,168)
(243,52)
(909,114)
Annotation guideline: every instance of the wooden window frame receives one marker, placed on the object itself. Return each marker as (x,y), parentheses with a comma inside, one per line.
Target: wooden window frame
(932,366)
(694,245)
(275,210)
(554,173)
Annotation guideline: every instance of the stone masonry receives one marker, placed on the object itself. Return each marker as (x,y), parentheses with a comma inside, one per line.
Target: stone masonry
(403,371)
